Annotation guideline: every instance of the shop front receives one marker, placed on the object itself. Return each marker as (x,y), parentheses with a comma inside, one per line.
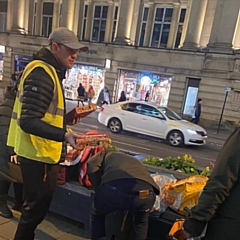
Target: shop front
(2,50)
(138,85)
(88,76)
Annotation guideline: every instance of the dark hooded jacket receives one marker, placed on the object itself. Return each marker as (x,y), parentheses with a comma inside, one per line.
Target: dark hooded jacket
(218,205)
(110,165)
(36,103)
(6,108)
(8,171)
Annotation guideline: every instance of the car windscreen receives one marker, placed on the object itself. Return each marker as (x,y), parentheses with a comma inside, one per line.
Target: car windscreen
(169,113)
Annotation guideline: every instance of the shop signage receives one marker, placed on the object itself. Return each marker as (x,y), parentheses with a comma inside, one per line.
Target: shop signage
(90,51)
(2,49)
(31,44)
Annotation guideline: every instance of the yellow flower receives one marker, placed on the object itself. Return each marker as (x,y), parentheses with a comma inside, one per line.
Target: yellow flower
(207,168)
(192,169)
(178,157)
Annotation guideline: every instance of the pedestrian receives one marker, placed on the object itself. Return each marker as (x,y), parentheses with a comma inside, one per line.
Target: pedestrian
(91,94)
(81,93)
(147,96)
(122,97)
(37,130)
(121,183)
(104,97)
(197,111)
(14,78)
(9,170)
(217,206)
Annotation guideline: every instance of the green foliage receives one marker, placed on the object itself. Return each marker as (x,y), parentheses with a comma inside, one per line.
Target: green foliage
(185,164)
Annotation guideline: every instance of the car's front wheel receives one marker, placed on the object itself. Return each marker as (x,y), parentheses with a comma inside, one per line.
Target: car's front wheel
(175,138)
(115,125)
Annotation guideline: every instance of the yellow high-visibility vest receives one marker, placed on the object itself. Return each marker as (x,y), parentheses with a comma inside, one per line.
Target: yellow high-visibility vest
(31,146)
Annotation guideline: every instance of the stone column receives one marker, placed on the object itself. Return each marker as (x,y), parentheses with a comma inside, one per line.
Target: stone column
(125,22)
(174,25)
(224,25)
(195,23)
(76,16)
(208,22)
(68,10)
(80,18)
(30,7)
(9,15)
(150,20)
(89,21)
(18,7)
(38,21)
(109,23)
(56,14)
(236,40)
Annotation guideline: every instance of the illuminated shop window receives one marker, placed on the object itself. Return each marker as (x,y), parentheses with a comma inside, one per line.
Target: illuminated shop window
(99,23)
(161,26)
(180,27)
(143,25)
(88,76)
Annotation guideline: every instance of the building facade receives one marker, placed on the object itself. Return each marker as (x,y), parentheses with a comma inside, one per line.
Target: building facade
(178,50)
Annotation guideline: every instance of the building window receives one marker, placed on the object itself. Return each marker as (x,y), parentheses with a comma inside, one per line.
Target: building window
(161,26)
(34,17)
(143,26)
(47,19)
(180,27)
(3,16)
(99,23)
(85,14)
(115,18)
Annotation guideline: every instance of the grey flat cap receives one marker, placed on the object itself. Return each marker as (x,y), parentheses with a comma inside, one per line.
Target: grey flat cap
(67,38)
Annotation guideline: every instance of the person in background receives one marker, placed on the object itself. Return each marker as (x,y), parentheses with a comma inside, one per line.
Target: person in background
(38,130)
(121,183)
(9,170)
(122,97)
(104,97)
(218,205)
(197,112)
(91,94)
(147,96)
(14,78)
(81,93)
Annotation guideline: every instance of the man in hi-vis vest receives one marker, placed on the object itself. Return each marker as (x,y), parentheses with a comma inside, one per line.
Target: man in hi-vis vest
(38,130)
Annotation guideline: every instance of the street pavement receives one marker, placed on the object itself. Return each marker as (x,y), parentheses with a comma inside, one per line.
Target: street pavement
(57,227)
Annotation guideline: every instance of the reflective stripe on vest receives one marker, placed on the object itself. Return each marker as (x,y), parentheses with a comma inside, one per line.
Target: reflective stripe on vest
(31,146)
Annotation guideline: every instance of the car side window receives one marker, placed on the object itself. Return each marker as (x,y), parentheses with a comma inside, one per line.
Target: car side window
(130,107)
(151,112)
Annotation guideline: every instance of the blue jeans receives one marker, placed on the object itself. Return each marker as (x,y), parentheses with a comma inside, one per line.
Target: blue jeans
(109,199)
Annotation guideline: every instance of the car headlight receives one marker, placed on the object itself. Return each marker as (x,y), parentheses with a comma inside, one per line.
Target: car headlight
(191,131)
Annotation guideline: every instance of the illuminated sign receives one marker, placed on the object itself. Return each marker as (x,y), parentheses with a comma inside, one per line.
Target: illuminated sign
(2,49)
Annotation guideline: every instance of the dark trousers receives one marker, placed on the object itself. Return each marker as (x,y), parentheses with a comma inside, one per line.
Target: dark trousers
(18,190)
(39,182)
(109,199)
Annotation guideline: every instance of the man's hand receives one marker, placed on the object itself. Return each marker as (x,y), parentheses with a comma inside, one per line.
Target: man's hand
(70,137)
(13,158)
(181,235)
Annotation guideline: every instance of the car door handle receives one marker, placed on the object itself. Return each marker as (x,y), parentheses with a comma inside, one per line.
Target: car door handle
(144,119)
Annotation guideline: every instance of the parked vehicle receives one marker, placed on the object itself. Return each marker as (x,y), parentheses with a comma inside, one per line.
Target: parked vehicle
(153,120)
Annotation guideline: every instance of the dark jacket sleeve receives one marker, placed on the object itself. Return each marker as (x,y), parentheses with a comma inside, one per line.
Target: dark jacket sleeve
(95,168)
(222,180)
(37,96)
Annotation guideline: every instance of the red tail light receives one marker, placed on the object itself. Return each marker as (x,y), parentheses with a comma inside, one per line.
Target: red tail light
(101,109)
